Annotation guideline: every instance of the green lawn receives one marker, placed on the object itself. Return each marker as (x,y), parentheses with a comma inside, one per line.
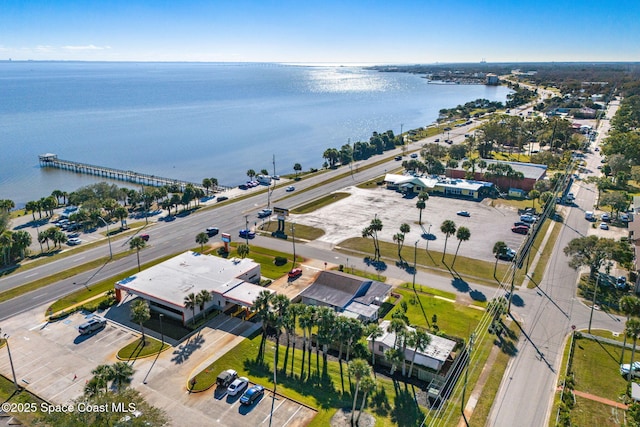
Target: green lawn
(320,203)
(452,319)
(265,257)
(8,394)
(590,413)
(136,349)
(597,370)
(302,231)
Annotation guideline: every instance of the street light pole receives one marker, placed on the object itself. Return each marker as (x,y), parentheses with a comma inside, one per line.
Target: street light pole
(13,371)
(415,263)
(293,240)
(108,236)
(593,303)
(246,227)
(161,331)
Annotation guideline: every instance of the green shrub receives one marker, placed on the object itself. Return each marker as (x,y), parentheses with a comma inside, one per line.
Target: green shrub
(280,260)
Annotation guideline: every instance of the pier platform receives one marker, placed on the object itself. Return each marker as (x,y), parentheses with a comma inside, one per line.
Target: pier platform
(52,161)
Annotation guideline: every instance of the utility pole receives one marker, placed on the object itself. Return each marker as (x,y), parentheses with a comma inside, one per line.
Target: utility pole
(293,240)
(246,227)
(415,263)
(466,373)
(13,371)
(593,303)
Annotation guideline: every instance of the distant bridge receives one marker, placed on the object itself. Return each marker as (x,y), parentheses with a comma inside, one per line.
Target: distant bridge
(52,161)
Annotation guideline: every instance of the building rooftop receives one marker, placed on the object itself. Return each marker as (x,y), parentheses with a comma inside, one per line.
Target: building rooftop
(529,170)
(431,182)
(190,272)
(339,289)
(439,348)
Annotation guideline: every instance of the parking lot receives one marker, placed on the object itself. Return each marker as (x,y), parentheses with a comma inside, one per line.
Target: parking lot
(54,361)
(347,217)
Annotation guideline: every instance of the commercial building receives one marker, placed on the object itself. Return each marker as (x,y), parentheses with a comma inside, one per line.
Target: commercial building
(443,186)
(532,173)
(166,285)
(349,295)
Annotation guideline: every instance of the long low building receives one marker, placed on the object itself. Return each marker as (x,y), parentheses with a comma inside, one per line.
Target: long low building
(166,285)
(475,190)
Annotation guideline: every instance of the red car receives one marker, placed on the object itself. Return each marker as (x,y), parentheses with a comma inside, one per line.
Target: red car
(295,272)
(144,237)
(520,229)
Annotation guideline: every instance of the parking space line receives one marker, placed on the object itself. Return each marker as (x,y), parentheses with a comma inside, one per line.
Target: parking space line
(274,410)
(40,326)
(293,415)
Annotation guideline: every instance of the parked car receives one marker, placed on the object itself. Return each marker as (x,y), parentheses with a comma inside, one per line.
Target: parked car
(92,325)
(290,188)
(414,155)
(226,377)
(605,217)
(604,226)
(212,231)
(436,140)
(530,219)
(275,177)
(508,255)
(463,213)
(621,283)
(635,371)
(244,233)
(144,237)
(237,386)
(520,224)
(73,235)
(624,217)
(74,241)
(295,272)
(252,394)
(521,229)
(588,215)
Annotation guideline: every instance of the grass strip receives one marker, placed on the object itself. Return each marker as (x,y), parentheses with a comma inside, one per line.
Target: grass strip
(137,349)
(302,231)
(320,203)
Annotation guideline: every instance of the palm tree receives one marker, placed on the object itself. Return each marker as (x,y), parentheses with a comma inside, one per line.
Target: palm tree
(251,173)
(191,302)
(448,227)
(396,326)
(372,231)
(103,374)
(6,240)
(206,183)
(140,313)
(342,332)
(280,304)
(632,330)
(202,239)
(356,329)
(499,248)
(367,385)
(629,305)
(21,241)
(202,298)
(243,250)
(326,331)
(121,375)
(533,195)
(463,234)
(297,167)
(31,207)
(43,237)
(261,305)
(394,356)
(358,368)
(374,331)
(420,340)
(422,203)
(305,321)
(121,213)
(295,310)
(137,243)
(399,238)
(94,386)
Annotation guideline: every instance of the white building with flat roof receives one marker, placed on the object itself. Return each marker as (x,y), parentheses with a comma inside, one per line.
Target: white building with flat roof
(165,285)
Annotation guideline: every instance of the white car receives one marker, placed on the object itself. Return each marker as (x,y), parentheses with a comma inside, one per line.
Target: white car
(74,241)
(290,188)
(604,226)
(635,372)
(237,386)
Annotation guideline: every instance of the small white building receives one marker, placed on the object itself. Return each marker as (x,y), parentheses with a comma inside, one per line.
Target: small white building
(432,357)
(165,285)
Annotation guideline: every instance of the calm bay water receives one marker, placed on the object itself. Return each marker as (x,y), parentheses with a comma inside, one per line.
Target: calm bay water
(195,120)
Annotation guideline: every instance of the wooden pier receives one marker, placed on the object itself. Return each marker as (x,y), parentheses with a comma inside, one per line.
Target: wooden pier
(52,161)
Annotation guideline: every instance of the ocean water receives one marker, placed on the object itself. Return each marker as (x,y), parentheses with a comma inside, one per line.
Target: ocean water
(194,120)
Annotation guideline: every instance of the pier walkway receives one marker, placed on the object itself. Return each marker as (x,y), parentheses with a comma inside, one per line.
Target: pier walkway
(52,161)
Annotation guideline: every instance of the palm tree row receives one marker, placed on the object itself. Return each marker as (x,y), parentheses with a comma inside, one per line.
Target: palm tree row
(120,375)
(14,245)
(199,300)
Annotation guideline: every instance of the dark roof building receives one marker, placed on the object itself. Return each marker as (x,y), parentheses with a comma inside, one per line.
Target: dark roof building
(349,295)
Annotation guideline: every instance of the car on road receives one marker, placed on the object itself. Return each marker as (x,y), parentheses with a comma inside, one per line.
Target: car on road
(295,272)
(436,140)
(463,213)
(222,198)
(596,149)
(237,386)
(247,234)
(398,158)
(635,371)
(588,215)
(74,241)
(144,237)
(92,325)
(290,188)
(521,229)
(252,394)
(264,213)
(275,177)
(604,226)
(212,231)
(414,155)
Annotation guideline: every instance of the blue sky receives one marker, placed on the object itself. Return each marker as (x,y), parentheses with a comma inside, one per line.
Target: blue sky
(336,31)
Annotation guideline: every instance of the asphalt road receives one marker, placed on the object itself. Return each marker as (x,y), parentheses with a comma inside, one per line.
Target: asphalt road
(526,394)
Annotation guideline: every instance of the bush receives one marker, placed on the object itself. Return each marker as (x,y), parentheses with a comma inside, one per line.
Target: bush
(280,260)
